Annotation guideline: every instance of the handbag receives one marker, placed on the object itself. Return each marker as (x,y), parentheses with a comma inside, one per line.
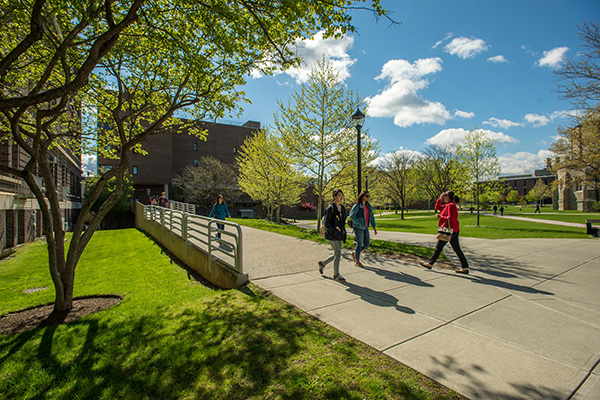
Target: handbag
(444,233)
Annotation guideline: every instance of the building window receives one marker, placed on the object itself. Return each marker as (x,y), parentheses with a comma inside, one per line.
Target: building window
(104,168)
(234,149)
(195,163)
(135,170)
(195,146)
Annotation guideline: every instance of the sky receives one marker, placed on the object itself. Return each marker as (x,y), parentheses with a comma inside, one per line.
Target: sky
(446,68)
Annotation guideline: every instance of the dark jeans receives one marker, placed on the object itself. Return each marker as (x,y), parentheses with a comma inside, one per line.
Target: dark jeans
(455,246)
(220,227)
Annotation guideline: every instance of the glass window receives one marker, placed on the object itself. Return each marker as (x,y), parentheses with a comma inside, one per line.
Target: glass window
(195,163)
(235,149)
(135,170)
(195,146)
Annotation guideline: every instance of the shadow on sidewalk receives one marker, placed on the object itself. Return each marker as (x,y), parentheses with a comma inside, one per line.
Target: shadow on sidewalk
(399,277)
(380,299)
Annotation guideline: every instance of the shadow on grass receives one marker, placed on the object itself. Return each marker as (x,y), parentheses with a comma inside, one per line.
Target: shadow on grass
(216,349)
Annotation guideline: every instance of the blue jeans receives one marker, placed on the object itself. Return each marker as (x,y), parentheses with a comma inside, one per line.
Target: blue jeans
(362,241)
(220,227)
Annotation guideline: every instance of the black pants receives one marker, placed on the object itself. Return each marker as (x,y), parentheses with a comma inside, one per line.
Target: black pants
(455,246)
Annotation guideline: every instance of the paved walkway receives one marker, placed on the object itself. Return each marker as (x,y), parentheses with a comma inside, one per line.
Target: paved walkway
(524,325)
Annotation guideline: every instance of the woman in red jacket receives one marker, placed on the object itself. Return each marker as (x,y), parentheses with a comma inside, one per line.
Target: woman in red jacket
(448,217)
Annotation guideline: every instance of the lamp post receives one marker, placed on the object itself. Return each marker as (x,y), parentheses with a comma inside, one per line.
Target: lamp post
(359,118)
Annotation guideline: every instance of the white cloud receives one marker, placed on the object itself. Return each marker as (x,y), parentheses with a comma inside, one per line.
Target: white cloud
(464,114)
(523,162)
(89,164)
(537,120)
(454,137)
(502,123)
(400,98)
(448,36)
(311,51)
(553,58)
(381,161)
(497,59)
(464,47)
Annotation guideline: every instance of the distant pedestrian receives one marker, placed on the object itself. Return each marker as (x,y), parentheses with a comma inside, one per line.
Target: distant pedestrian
(362,218)
(501,211)
(495,209)
(537,209)
(335,232)
(153,201)
(448,217)
(220,211)
(163,201)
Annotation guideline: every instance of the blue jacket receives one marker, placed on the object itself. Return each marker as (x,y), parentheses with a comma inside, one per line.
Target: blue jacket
(219,211)
(357,215)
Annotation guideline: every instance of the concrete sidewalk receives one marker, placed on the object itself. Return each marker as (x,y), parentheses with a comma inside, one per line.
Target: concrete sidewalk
(524,325)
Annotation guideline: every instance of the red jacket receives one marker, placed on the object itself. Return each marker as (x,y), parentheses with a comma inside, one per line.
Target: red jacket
(449,212)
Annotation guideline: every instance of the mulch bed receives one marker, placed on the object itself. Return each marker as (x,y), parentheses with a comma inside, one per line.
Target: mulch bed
(41,316)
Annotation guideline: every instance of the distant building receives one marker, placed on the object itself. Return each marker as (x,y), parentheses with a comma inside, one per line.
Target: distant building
(572,193)
(168,154)
(525,182)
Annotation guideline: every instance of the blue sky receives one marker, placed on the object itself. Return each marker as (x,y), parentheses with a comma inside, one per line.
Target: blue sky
(447,67)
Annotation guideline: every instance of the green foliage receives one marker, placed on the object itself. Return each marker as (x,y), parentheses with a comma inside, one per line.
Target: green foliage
(317,130)
(202,184)
(266,173)
(438,171)
(398,178)
(513,197)
(539,192)
(122,206)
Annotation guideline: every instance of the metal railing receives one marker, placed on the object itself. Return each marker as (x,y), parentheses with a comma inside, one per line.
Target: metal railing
(185,207)
(200,231)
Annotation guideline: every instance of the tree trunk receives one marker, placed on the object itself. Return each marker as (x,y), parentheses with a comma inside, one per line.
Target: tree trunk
(402,210)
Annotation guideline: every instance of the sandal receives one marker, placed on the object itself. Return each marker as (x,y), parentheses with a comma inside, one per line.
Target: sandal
(339,278)
(425,265)
(462,271)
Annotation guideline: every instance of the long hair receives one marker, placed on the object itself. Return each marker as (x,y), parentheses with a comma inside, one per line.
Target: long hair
(219,197)
(450,195)
(361,195)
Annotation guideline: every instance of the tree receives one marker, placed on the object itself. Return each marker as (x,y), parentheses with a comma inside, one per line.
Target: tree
(539,192)
(268,175)
(478,157)
(137,63)
(580,77)
(121,207)
(438,171)
(513,197)
(577,150)
(202,184)
(316,128)
(398,177)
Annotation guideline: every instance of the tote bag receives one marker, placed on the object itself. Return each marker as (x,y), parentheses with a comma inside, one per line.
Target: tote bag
(444,234)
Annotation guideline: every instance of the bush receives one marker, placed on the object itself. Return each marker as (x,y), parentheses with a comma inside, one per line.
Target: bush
(596,206)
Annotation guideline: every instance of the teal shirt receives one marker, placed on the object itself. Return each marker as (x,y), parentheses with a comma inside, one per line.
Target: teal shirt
(219,211)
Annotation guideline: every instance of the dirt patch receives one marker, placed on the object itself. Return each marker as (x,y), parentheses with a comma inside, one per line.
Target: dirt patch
(40,316)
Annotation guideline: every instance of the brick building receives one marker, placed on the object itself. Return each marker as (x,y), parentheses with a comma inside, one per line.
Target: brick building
(20,218)
(168,154)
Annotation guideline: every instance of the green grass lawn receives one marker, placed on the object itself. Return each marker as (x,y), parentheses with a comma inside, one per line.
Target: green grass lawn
(172,338)
(490,228)
(378,247)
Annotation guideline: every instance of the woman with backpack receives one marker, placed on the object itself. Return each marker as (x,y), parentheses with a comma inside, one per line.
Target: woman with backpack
(448,217)
(335,231)
(362,218)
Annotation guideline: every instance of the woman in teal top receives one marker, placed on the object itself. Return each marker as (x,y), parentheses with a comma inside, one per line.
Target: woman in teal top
(362,217)
(220,211)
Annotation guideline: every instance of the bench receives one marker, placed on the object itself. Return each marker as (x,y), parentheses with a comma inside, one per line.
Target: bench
(590,230)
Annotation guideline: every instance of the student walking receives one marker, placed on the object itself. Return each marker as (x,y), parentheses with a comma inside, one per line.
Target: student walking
(220,211)
(537,209)
(335,232)
(448,217)
(163,201)
(362,218)
(502,211)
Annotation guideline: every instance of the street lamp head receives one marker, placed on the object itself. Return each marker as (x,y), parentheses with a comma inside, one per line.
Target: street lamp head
(359,117)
